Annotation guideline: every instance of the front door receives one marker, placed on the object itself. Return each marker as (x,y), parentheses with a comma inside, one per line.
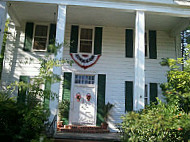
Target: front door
(83,105)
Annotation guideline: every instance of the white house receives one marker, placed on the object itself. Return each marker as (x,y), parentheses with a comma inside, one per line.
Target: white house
(116,45)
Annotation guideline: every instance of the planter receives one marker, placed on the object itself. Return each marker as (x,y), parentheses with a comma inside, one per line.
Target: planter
(104,125)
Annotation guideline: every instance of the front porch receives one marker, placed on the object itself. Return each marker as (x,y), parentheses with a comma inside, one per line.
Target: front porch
(113,20)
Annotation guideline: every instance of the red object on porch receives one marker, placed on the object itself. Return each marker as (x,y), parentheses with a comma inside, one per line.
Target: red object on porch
(83,129)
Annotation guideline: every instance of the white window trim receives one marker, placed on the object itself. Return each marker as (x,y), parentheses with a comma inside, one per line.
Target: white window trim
(93,34)
(34,29)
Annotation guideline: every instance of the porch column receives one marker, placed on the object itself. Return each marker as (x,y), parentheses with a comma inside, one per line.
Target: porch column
(3,17)
(60,35)
(139,83)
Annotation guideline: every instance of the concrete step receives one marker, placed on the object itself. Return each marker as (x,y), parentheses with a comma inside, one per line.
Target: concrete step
(87,137)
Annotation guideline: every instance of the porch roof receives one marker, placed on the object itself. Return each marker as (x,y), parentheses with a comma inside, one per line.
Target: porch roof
(21,12)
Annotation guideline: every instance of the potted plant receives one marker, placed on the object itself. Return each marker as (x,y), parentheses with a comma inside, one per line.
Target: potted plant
(106,112)
(64,111)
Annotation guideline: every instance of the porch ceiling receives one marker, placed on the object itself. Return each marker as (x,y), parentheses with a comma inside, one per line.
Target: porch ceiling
(23,11)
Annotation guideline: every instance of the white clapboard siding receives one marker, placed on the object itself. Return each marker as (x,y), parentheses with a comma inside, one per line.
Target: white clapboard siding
(113,63)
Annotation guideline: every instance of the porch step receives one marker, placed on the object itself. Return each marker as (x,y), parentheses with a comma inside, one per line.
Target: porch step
(82,129)
(87,137)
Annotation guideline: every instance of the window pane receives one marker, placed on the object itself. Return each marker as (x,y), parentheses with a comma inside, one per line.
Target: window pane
(146,101)
(86,46)
(146,50)
(84,79)
(86,34)
(41,30)
(146,91)
(39,43)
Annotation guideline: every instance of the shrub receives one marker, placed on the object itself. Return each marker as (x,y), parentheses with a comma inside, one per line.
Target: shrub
(20,122)
(160,122)
(64,111)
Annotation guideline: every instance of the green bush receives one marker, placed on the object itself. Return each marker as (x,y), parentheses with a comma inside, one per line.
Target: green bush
(20,122)
(160,122)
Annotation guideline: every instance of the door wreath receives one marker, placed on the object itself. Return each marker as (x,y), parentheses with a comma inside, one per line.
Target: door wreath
(88,97)
(78,97)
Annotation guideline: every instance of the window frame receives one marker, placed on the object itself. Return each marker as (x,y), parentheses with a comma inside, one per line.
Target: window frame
(147,36)
(34,30)
(84,85)
(42,85)
(93,34)
(148,94)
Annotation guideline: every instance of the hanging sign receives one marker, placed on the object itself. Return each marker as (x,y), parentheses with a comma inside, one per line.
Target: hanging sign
(83,60)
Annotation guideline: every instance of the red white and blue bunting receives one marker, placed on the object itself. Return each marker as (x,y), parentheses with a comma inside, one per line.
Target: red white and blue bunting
(84,60)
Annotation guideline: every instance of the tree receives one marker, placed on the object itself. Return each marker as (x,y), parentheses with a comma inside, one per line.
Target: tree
(24,120)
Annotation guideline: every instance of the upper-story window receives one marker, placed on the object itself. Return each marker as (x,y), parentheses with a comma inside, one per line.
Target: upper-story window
(40,37)
(86,40)
(146,44)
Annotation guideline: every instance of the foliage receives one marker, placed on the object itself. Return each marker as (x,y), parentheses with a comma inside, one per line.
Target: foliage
(166,121)
(18,122)
(106,110)
(25,121)
(177,88)
(160,122)
(64,110)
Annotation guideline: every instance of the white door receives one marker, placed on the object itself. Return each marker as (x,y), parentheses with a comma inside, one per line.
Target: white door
(83,104)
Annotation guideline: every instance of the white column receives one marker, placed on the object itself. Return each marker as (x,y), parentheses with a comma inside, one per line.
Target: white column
(60,35)
(139,61)
(3,17)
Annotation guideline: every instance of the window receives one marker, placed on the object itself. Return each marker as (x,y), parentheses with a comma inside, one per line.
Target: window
(146,44)
(40,37)
(86,40)
(84,79)
(146,96)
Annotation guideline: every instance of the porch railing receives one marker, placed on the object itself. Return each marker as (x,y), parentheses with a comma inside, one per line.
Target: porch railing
(51,130)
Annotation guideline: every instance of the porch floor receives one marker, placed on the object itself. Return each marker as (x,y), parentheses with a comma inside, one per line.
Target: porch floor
(87,137)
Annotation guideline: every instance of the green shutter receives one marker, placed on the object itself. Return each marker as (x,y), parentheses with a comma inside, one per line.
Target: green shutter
(52,35)
(101,98)
(47,93)
(74,39)
(67,86)
(128,96)
(129,43)
(152,45)
(153,92)
(98,41)
(23,89)
(28,36)
(67,93)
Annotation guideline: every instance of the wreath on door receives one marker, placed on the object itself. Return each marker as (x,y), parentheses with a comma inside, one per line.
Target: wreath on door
(88,97)
(78,97)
